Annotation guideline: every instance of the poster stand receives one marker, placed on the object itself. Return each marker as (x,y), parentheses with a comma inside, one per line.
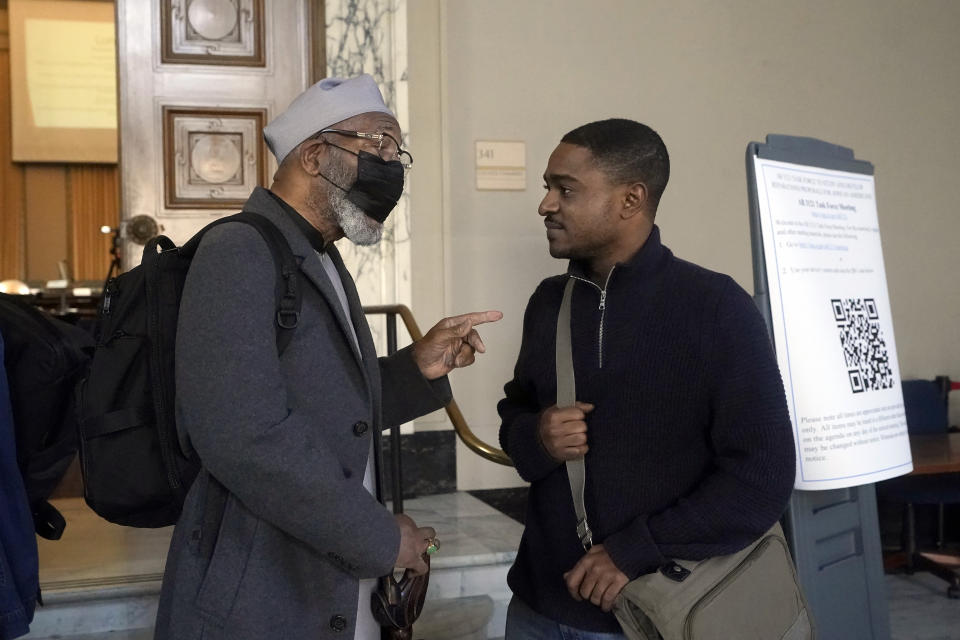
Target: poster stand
(833,533)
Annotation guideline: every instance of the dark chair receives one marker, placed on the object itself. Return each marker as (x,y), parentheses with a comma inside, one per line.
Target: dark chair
(926,406)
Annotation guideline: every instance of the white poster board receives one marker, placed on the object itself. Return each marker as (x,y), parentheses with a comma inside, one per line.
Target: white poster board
(832,324)
(63,81)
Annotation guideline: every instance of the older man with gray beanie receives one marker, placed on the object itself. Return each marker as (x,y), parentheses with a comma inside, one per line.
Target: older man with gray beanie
(281,535)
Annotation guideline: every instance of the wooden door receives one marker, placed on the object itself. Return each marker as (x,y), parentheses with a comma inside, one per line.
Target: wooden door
(198,80)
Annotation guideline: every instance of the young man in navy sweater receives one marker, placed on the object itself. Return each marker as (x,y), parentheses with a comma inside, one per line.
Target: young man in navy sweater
(681,414)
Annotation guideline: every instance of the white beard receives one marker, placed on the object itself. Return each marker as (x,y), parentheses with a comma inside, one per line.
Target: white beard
(357,226)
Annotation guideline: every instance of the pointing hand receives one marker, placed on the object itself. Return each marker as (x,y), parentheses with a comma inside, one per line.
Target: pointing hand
(451,344)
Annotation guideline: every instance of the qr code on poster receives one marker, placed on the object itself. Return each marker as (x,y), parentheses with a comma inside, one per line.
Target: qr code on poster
(864,349)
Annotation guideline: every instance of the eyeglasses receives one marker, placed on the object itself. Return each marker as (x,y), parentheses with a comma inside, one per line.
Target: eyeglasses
(388,148)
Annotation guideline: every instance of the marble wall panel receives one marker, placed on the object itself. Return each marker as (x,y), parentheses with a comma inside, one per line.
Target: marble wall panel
(370,36)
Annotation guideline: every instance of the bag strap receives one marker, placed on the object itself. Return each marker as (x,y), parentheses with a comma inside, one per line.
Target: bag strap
(287,290)
(567,397)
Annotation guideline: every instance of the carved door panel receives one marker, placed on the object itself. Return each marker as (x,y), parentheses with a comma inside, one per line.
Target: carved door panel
(198,80)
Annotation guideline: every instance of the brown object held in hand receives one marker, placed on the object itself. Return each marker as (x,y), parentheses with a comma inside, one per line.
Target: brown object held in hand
(397,604)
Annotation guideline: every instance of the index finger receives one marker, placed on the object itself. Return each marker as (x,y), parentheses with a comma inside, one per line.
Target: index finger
(571,414)
(475,317)
(574,578)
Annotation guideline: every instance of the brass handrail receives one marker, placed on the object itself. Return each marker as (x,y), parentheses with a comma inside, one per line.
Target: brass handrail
(460,425)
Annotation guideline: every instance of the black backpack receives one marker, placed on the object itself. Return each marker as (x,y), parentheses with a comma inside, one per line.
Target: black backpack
(44,358)
(134,470)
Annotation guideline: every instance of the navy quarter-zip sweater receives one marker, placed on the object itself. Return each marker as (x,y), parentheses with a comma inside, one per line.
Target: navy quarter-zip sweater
(691,450)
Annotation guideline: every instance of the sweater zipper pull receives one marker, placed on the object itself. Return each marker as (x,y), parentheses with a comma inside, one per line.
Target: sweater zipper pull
(603,299)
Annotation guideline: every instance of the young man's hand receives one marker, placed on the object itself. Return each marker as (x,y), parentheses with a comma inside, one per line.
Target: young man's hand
(596,578)
(563,432)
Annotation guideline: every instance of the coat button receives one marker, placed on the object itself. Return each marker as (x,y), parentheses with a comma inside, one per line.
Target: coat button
(360,428)
(338,623)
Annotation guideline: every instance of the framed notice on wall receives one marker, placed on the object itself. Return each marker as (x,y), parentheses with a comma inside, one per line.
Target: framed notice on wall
(63,81)
(501,165)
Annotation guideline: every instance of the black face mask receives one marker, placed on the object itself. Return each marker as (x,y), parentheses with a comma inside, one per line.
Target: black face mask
(378,186)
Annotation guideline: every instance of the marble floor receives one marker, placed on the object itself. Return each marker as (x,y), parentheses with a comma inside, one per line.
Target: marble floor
(471,533)
(101,576)
(920,609)
(477,545)
(94,552)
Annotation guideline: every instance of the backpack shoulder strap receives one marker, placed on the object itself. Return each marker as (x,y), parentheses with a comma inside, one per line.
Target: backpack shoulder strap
(287,290)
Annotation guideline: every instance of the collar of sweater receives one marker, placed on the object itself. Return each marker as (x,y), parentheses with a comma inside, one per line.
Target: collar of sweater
(643,262)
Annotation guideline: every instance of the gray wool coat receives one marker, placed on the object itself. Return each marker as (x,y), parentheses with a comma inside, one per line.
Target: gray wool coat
(278,529)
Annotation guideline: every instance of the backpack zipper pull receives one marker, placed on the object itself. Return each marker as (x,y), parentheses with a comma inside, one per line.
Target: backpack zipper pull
(107,298)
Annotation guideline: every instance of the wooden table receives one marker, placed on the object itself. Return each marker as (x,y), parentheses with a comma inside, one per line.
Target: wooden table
(932,454)
(939,453)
